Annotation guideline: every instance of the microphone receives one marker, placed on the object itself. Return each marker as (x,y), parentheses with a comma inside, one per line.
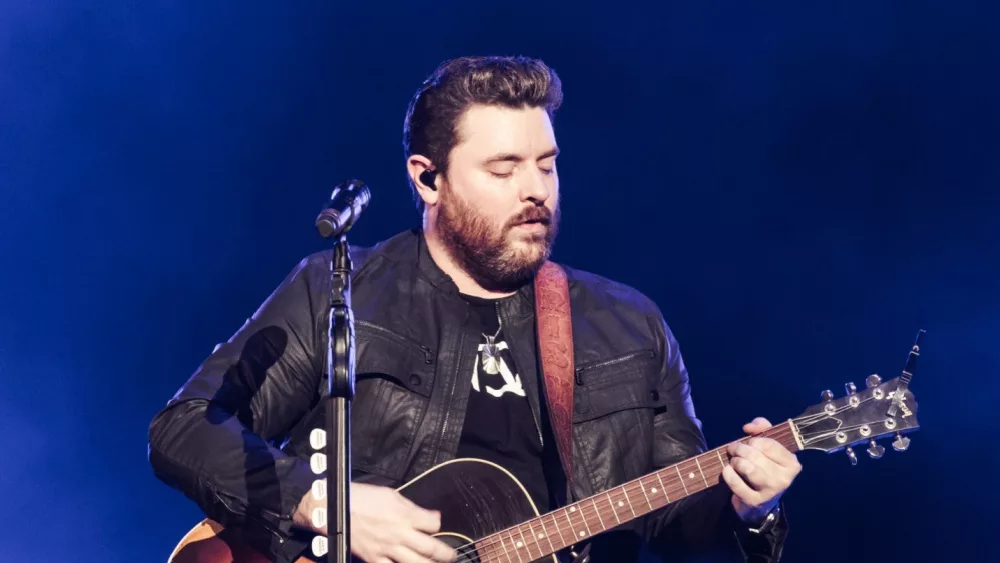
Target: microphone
(346,203)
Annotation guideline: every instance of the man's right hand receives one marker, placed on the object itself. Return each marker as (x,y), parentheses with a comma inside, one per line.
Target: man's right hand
(386,527)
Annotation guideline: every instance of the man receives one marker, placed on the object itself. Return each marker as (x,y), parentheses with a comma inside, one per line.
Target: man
(447,362)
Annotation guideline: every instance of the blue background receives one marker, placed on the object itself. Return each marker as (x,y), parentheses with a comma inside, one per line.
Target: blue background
(801,186)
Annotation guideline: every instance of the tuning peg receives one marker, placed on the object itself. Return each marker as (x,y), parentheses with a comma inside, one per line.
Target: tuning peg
(853,457)
(900,443)
(875,450)
(851,389)
(827,395)
(873,380)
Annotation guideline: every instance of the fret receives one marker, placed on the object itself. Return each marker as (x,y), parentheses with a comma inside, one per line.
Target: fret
(598,511)
(502,544)
(719,453)
(678,469)
(702,472)
(513,544)
(538,535)
(662,487)
(643,487)
(585,525)
(524,541)
(488,549)
(572,528)
(613,509)
(628,500)
(545,534)
(561,536)
(579,533)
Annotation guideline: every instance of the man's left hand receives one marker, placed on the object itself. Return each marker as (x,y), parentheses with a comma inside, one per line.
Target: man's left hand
(759,473)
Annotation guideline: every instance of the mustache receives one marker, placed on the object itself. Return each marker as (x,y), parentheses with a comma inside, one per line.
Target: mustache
(538,213)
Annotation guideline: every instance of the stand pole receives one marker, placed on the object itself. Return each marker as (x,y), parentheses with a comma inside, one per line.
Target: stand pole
(340,374)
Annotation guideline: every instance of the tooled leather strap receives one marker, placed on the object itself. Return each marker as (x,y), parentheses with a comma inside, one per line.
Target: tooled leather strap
(555,341)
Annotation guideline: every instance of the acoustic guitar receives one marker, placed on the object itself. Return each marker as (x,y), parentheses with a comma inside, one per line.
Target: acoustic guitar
(487,515)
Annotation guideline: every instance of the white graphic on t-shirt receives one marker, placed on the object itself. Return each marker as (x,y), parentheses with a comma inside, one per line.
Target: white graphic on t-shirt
(494,365)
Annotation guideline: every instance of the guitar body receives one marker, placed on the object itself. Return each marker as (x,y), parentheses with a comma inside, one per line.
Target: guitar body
(476,498)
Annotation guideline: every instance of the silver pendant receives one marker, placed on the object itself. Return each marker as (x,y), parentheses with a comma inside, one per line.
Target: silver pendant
(491,357)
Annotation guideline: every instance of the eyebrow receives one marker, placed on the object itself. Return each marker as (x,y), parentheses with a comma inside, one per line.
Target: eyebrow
(511,157)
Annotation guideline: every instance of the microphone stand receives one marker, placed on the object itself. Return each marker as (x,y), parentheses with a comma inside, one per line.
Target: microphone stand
(346,203)
(340,375)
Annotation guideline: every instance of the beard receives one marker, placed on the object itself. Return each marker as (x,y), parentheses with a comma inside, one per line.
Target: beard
(491,254)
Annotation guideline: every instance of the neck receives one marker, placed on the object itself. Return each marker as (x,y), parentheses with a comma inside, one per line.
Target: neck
(465,282)
(574,523)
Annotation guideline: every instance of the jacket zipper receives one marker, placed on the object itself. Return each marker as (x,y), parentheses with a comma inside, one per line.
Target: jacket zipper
(611,362)
(534,415)
(451,399)
(428,358)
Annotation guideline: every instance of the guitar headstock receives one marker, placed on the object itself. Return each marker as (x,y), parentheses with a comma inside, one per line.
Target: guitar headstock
(882,409)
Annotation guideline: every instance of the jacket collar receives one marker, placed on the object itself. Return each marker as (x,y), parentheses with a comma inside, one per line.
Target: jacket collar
(413,245)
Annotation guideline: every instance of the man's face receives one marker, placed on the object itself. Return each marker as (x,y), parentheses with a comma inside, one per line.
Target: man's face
(498,211)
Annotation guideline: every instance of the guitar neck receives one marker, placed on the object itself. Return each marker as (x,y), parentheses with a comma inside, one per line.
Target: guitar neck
(576,522)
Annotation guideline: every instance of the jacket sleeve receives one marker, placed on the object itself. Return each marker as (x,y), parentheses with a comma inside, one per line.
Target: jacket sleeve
(214,440)
(704,524)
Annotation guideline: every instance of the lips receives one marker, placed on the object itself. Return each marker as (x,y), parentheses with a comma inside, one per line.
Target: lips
(541,218)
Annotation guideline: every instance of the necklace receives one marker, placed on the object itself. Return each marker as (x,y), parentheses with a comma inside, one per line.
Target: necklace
(491,352)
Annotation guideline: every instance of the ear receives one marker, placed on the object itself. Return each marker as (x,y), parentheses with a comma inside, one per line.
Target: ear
(415,166)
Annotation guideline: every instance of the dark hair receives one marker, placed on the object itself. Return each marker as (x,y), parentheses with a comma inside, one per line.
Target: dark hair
(430,127)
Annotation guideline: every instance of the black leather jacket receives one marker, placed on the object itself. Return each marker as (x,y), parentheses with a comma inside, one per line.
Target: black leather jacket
(235,438)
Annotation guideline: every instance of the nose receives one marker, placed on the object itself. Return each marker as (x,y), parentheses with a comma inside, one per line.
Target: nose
(536,187)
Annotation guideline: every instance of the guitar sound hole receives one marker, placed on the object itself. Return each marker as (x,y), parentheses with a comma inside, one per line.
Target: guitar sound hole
(466,554)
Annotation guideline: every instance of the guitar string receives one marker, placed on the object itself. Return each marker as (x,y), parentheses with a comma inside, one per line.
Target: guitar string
(780,433)
(629,489)
(469,552)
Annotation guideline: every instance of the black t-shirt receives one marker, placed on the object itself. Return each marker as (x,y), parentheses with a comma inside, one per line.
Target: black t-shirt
(499,425)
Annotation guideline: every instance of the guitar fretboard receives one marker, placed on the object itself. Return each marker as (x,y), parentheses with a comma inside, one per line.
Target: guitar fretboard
(573,523)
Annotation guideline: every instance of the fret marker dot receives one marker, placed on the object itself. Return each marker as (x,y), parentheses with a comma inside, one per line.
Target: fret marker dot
(540,536)
(653,489)
(572,509)
(581,533)
(620,503)
(690,475)
(519,544)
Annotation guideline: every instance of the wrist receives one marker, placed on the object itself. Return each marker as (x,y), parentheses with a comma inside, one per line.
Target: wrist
(302,517)
(753,515)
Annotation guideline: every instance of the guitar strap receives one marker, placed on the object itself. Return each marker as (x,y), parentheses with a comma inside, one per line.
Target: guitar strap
(555,341)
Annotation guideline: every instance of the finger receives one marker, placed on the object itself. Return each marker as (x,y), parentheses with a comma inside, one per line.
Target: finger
(776,453)
(755,456)
(756,425)
(417,516)
(757,477)
(756,469)
(428,546)
(740,488)
(428,521)
(399,553)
